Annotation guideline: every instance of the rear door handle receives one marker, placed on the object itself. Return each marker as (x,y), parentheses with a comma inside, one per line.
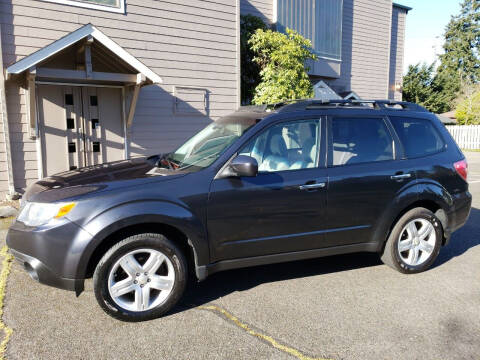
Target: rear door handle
(312,186)
(400,176)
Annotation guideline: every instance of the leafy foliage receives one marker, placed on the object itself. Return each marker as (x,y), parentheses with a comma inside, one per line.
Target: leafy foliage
(250,76)
(468,109)
(281,58)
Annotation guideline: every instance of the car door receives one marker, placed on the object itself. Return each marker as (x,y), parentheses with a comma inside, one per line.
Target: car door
(283,208)
(365,174)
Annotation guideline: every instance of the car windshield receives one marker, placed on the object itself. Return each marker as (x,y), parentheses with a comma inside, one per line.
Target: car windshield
(206,146)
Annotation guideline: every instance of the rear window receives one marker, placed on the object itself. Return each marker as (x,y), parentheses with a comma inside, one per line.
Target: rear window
(418,136)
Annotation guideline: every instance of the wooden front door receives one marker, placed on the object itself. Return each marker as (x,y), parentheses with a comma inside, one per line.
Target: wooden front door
(79,126)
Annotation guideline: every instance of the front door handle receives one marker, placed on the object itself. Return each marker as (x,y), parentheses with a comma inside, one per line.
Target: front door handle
(312,186)
(400,176)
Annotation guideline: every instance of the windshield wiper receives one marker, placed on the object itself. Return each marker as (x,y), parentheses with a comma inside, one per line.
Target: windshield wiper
(165,161)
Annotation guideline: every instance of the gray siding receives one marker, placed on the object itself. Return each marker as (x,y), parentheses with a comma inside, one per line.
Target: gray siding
(397,52)
(4,174)
(186,42)
(23,149)
(365,48)
(3,158)
(261,8)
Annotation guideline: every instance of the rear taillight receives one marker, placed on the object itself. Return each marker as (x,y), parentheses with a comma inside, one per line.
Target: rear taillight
(462,168)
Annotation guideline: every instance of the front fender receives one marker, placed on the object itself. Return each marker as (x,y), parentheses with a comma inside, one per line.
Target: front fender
(143,212)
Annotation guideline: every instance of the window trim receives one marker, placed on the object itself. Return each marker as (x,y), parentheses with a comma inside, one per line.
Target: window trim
(388,126)
(83,4)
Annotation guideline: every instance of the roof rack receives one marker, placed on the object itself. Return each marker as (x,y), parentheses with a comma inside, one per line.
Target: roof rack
(253,108)
(308,104)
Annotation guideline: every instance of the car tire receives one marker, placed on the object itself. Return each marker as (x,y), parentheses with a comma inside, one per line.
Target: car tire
(140,278)
(419,234)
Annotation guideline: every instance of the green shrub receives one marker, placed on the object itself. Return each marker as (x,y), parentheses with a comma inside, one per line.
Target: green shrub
(468,110)
(281,58)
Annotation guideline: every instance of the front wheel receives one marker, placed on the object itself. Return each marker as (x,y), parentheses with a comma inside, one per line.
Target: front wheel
(414,243)
(140,278)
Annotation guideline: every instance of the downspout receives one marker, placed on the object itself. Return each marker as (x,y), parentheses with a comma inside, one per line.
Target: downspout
(238,58)
(389,53)
(6,130)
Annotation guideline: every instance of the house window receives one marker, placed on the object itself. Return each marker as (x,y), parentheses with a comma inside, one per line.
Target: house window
(107,5)
(317,20)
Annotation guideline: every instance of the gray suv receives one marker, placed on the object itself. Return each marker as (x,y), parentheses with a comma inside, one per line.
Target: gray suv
(259,186)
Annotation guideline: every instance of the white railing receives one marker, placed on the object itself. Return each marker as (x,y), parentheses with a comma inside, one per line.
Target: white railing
(466,136)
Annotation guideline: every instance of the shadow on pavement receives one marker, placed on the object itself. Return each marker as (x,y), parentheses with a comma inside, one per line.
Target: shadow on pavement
(224,283)
(462,240)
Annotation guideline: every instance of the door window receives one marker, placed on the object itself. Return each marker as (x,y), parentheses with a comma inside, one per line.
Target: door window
(286,146)
(418,136)
(359,140)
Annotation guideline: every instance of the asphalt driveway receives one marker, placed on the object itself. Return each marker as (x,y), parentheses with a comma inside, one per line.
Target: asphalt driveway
(342,307)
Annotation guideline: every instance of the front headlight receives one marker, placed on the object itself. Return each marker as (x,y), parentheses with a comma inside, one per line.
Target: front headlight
(37,214)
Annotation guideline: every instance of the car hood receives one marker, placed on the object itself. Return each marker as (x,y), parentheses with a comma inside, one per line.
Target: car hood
(101,177)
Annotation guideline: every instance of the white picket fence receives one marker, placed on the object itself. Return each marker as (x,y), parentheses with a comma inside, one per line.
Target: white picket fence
(466,136)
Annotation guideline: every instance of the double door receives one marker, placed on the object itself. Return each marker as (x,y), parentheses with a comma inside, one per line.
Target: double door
(79,126)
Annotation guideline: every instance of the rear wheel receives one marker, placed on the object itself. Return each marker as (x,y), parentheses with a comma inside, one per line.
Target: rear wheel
(140,278)
(414,243)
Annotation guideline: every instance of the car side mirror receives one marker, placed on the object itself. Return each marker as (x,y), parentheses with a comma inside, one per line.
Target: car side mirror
(241,166)
(244,165)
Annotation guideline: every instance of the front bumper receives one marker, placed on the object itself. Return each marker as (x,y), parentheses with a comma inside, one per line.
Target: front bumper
(40,272)
(51,255)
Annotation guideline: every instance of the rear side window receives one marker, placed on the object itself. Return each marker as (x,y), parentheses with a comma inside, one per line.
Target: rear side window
(418,136)
(359,140)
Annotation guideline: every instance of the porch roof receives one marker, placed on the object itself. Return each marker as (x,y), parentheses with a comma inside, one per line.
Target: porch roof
(85,31)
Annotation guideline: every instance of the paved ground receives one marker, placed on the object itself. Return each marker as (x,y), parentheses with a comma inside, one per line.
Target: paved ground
(343,307)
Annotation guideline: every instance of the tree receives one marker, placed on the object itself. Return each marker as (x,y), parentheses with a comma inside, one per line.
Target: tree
(417,83)
(468,109)
(439,90)
(250,76)
(461,60)
(281,58)
(422,86)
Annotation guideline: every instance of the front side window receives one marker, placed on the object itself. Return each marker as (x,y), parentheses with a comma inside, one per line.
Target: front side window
(317,20)
(359,140)
(287,146)
(418,136)
(108,5)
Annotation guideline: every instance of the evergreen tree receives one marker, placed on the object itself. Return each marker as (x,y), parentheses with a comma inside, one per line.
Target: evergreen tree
(461,61)
(422,86)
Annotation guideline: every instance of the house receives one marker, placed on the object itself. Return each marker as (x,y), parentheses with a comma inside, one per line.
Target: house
(448,118)
(89,81)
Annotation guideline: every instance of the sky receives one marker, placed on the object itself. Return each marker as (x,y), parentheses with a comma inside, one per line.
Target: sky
(425,26)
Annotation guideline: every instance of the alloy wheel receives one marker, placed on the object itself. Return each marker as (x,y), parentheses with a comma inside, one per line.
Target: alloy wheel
(141,280)
(417,242)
